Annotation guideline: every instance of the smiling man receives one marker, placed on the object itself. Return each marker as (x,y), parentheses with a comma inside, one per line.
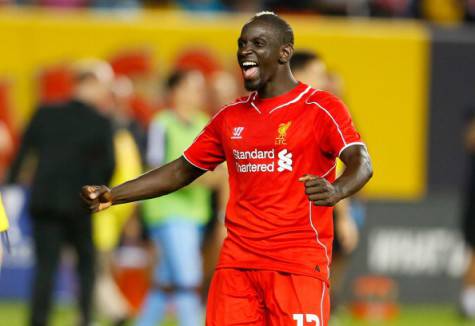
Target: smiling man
(280,143)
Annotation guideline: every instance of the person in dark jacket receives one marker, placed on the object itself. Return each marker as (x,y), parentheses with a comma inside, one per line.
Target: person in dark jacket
(73,145)
(467,297)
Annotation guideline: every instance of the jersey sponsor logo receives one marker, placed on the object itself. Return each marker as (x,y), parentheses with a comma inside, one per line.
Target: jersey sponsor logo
(257,155)
(237,131)
(253,167)
(262,161)
(285,161)
(254,154)
(311,319)
(282,131)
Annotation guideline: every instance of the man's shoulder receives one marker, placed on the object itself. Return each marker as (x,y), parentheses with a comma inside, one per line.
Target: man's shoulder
(325,101)
(47,113)
(320,96)
(46,109)
(91,113)
(239,103)
(91,119)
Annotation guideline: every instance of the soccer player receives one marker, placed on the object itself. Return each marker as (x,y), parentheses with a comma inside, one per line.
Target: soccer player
(280,143)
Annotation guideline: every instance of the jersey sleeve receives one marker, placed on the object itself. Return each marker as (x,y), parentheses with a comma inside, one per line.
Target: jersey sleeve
(339,131)
(206,152)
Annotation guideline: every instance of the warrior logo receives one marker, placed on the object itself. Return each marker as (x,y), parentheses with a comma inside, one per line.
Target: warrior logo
(282,130)
(237,131)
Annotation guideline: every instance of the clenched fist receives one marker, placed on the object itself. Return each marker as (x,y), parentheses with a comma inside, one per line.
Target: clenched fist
(97,198)
(320,191)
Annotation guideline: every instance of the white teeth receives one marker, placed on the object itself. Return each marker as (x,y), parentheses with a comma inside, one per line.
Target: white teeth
(249,64)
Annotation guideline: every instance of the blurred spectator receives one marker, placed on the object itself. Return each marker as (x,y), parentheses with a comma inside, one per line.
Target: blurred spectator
(223,89)
(138,67)
(109,224)
(201,5)
(290,6)
(309,68)
(470,14)
(343,7)
(438,11)
(73,145)
(443,11)
(394,8)
(116,4)
(335,84)
(62,3)
(175,221)
(8,132)
(245,5)
(123,115)
(4,226)
(6,147)
(468,292)
(349,217)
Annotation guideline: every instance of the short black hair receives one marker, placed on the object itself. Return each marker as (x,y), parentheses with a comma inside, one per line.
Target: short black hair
(269,17)
(175,78)
(300,59)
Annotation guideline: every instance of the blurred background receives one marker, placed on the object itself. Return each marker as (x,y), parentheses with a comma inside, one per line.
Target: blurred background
(405,68)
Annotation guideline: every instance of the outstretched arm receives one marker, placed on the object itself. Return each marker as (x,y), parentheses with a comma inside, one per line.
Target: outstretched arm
(155,183)
(357,173)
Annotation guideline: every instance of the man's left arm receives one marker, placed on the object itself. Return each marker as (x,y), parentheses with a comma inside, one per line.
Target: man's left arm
(357,173)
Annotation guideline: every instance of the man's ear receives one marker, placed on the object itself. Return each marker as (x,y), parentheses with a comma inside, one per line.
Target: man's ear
(286,52)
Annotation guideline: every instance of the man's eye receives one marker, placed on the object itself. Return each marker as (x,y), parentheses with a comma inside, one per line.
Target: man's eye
(259,43)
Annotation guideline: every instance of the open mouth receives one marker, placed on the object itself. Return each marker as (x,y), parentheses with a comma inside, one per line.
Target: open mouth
(249,69)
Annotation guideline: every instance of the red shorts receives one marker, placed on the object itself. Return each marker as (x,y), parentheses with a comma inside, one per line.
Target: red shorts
(266,298)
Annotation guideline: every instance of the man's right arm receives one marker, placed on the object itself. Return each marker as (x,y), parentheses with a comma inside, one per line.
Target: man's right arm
(155,183)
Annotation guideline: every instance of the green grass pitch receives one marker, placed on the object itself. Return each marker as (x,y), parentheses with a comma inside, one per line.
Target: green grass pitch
(15,314)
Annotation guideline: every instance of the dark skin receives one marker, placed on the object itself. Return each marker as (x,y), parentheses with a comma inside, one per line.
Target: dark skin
(155,183)
(258,43)
(357,173)
(261,43)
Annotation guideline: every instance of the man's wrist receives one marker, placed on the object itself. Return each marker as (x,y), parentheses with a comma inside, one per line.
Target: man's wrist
(113,195)
(339,191)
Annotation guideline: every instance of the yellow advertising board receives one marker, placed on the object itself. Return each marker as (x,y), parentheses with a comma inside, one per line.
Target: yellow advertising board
(384,66)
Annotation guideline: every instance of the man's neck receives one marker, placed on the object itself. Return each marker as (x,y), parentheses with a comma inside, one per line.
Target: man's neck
(86,95)
(282,83)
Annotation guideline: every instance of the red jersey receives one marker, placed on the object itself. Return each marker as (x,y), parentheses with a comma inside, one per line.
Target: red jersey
(268,144)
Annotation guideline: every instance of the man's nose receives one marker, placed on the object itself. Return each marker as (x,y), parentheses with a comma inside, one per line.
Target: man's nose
(244,50)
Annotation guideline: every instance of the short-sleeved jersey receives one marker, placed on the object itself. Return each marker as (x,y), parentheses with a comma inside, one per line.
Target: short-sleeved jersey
(268,144)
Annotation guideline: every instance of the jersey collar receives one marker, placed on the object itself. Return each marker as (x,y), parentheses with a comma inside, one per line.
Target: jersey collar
(272,104)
